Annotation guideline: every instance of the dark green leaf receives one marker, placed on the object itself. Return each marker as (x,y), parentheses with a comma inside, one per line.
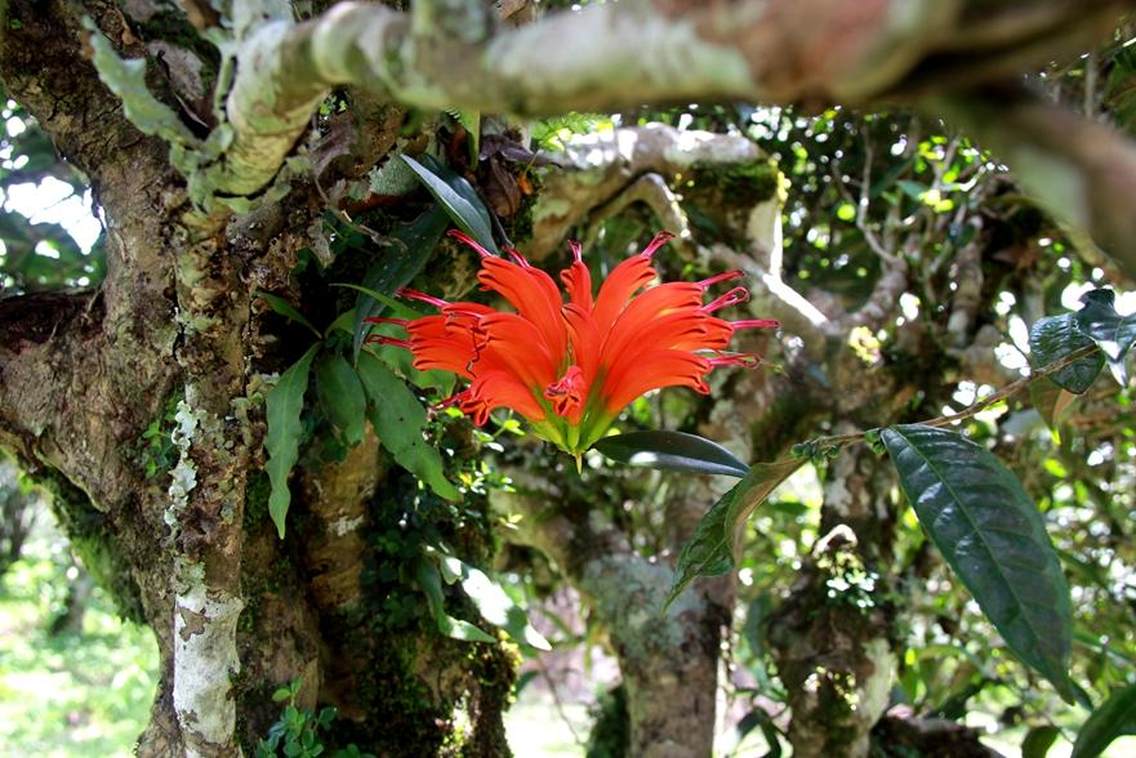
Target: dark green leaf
(1098,318)
(759,718)
(399,420)
(341,394)
(286,309)
(1053,339)
(282,441)
(458,198)
(430,582)
(979,516)
(1038,741)
(712,551)
(674,451)
(1116,717)
(411,246)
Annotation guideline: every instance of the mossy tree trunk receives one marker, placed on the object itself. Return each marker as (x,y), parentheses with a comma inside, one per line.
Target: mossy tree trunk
(236,611)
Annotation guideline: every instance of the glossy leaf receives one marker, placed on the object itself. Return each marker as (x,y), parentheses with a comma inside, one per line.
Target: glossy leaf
(430,582)
(399,420)
(411,246)
(341,395)
(674,451)
(287,310)
(712,550)
(979,516)
(1115,334)
(282,441)
(1116,717)
(457,197)
(1055,338)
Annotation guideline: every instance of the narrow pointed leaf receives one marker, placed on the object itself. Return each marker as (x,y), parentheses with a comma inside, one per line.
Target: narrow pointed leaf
(1039,740)
(411,246)
(287,310)
(1115,334)
(430,582)
(283,406)
(1116,717)
(1053,339)
(341,395)
(674,451)
(458,198)
(399,420)
(712,550)
(981,519)
(498,609)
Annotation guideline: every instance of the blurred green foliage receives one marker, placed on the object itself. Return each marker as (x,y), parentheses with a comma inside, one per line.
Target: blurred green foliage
(85,694)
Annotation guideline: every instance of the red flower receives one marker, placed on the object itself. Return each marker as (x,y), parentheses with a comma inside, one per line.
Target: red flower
(570,368)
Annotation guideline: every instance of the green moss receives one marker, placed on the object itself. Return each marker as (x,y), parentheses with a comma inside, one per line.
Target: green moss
(611,727)
(256,500)
(93,542)
(156,453)
(745,184)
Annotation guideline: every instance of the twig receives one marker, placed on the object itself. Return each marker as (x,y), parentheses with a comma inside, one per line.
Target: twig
(843,440)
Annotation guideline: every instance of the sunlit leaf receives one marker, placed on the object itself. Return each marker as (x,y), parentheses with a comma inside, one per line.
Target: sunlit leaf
(712,550)
(430,582)
(1116,717)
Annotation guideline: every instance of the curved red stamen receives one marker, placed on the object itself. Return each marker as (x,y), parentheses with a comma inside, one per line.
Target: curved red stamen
(469,242)
(728,276)
(744,360)
(422,297)
(656,242)
(381,339)
(577,251)
(733,297)
(755,323)
(517,258)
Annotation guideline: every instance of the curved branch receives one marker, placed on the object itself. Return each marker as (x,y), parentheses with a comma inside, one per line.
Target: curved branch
(765,50)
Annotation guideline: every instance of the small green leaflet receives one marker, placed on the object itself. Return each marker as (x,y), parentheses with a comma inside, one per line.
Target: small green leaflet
(399,420)
(284,403)
(430,582)
(1056,337)
(287,310)
(712,551)
(675,451)
(1116,717)
(457,197)
(981,519)
(341,395)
